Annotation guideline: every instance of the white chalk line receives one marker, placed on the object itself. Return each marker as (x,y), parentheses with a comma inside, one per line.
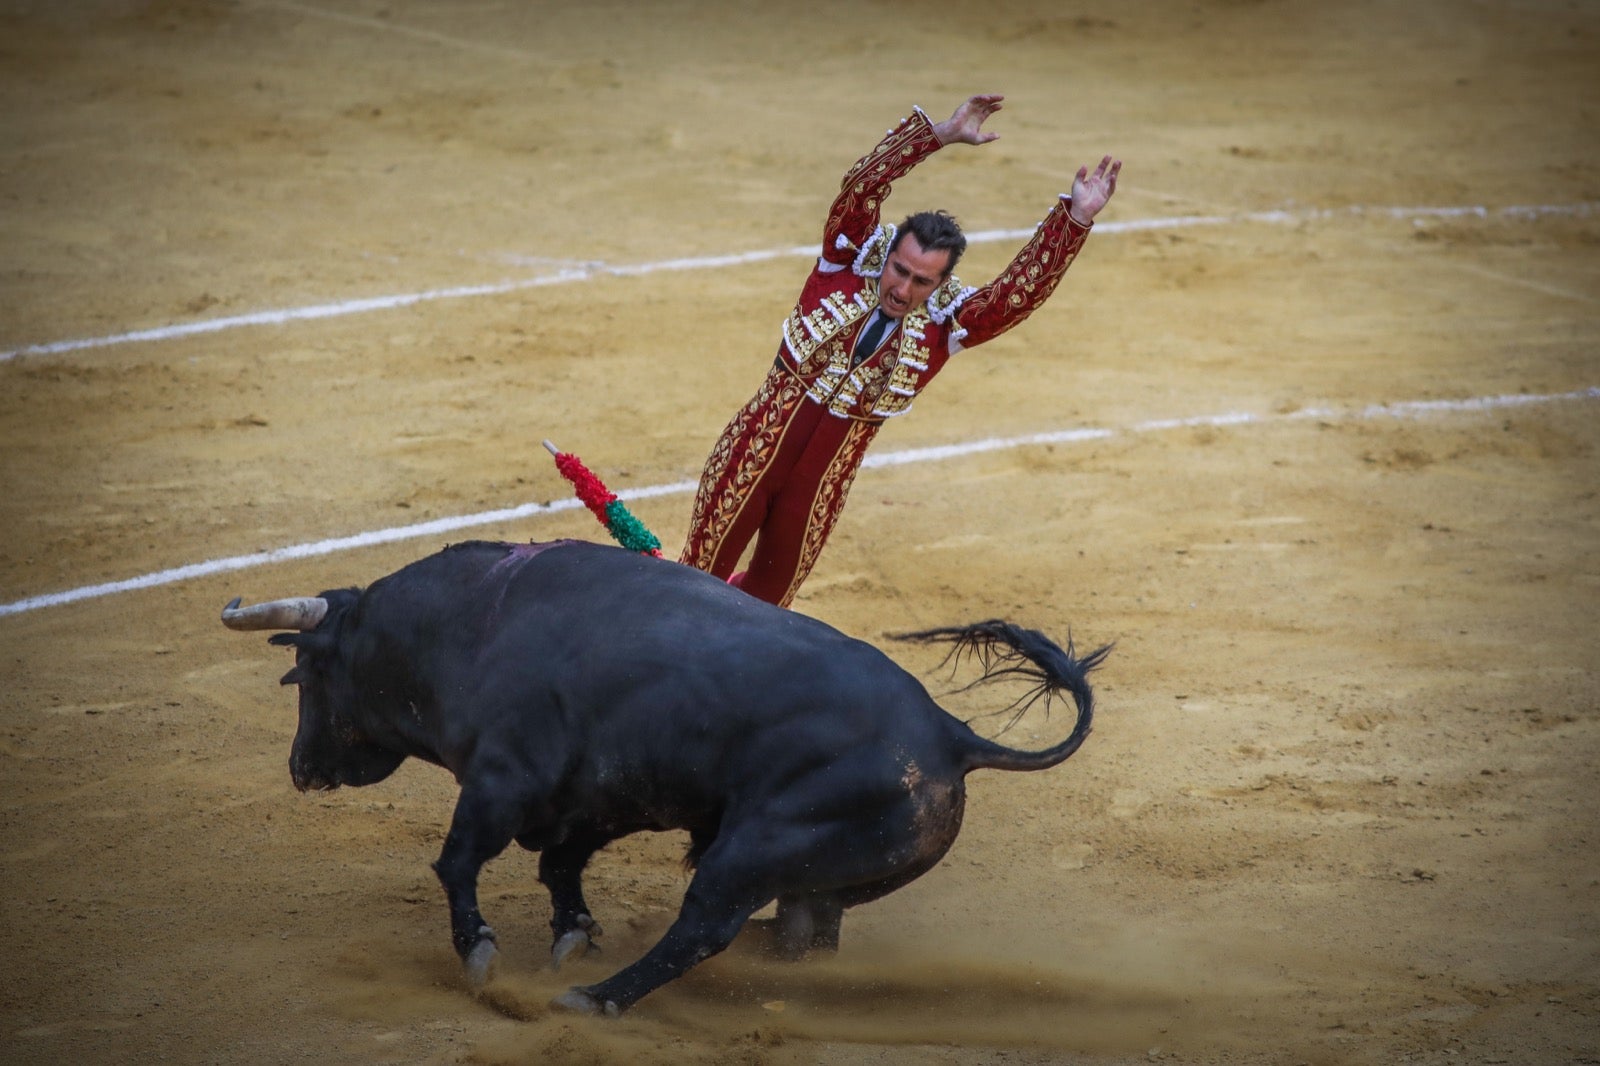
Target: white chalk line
(940,453)
(386,25)
(592,271)
(1526,283)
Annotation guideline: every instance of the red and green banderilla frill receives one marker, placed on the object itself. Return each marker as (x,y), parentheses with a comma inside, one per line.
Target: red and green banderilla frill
(624,528)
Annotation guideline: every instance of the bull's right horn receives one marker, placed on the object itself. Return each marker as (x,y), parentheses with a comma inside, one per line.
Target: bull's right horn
(301,612)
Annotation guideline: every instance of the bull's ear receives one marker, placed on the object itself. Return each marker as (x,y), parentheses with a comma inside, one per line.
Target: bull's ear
(293,677)
(284,640)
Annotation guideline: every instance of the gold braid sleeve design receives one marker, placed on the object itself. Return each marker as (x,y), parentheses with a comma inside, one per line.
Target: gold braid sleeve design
(1030,279)
(854,214)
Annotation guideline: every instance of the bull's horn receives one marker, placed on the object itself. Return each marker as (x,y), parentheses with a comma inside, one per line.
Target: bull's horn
(301,612)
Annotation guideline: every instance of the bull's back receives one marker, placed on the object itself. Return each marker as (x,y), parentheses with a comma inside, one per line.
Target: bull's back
(633,620)
(624,634)
(611,629)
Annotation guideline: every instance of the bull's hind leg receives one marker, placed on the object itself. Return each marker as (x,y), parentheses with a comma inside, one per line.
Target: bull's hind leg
(573,930)
(804,923)
(827,914)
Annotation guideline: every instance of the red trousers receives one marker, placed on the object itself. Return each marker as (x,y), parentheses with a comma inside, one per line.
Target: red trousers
(779,475)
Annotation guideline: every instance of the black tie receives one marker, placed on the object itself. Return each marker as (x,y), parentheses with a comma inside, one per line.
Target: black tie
(868,341)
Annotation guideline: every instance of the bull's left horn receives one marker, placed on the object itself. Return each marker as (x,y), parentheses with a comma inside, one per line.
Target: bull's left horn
(301,612)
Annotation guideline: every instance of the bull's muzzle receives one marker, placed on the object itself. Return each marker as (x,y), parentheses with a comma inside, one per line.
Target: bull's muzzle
(300,612)
(305,781)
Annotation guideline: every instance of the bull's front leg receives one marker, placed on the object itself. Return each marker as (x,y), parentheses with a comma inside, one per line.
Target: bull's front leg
(722,895)
(482,828)
(573,929)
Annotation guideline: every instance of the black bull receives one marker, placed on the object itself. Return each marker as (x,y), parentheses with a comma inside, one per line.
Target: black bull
(580,693)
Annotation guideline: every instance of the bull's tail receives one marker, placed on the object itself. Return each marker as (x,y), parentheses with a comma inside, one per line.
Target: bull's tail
(1006,650)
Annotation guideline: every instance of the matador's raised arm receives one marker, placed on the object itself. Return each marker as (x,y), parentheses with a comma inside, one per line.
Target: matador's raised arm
(1036,271)
(855,213)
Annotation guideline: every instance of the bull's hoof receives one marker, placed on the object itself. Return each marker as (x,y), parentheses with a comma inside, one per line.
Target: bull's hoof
(579,941)
(576,942)
(579,1001)
(479,963)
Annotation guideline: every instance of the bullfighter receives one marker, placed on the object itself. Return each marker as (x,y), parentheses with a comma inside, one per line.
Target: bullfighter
(880,315)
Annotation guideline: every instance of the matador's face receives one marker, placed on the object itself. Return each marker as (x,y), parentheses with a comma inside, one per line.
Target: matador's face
(910,274)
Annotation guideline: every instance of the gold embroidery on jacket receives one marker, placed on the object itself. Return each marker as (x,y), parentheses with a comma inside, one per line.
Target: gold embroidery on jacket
(877,388)
(821,357)
(804,335)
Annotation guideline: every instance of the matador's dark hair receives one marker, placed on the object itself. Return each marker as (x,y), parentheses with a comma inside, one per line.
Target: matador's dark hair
(935,231)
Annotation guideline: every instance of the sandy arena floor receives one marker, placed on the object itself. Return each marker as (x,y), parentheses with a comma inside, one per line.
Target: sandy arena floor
(1341,802)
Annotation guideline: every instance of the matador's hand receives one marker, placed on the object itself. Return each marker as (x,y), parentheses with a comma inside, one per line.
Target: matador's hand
(963,126)
(1091,192)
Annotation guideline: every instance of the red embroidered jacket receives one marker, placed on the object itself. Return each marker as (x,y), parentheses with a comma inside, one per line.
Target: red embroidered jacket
(842,292)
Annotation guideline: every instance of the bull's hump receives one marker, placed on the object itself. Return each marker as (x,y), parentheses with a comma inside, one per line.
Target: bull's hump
(504,550)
